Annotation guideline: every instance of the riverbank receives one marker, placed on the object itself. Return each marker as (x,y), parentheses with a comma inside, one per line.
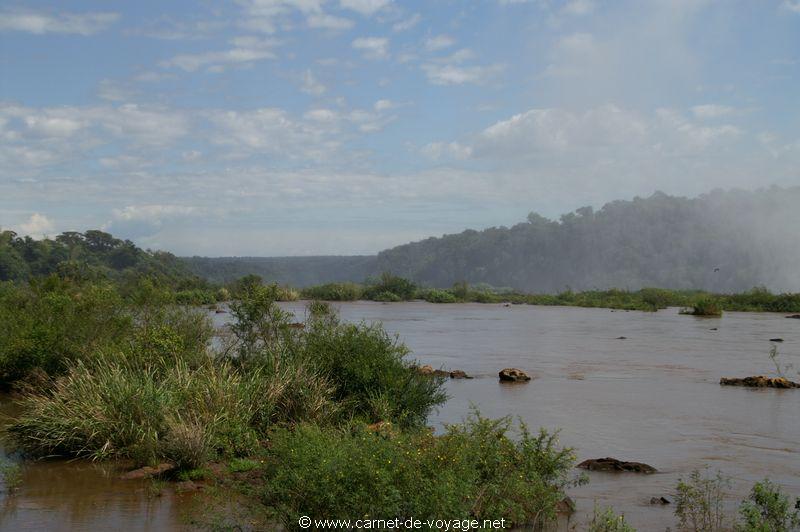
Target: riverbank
(609,395)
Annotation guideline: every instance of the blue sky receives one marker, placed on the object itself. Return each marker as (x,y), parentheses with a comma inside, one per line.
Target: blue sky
(300,127)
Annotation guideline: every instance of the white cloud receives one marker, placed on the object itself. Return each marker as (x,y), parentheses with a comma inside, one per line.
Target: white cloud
(578,7)
(244,50)
(329,22)
(791,5)
(311,85)
(439,74)
(446,150)
(407,24)
(69,23)
(372,47)
(364,7)
(439,42)
(451,70)
(152,212)
(711,110)
(37,226)
(384,105)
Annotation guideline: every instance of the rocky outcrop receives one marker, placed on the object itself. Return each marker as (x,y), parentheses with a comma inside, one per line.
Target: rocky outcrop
(148,472)
(612,464)
(759,381)
(513,375)
(455,374)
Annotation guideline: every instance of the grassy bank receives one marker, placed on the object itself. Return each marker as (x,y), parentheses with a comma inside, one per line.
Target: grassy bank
(337,411)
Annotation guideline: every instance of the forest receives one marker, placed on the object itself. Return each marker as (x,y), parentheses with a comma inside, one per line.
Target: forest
(723,241)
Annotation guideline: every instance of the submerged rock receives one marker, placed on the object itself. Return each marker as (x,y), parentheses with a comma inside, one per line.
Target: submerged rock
(622,337)
(776,339)
(794,316)
(612,464)
(427,369)
(759,381)
(513,375)
(148,472)
(659,500)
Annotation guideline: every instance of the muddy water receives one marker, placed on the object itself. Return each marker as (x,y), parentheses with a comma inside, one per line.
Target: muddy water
(652,397)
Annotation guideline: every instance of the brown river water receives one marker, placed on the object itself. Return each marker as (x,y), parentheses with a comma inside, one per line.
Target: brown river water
(653,397)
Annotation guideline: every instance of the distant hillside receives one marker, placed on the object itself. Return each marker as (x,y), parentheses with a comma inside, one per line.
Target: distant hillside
(721,241)
(295,271)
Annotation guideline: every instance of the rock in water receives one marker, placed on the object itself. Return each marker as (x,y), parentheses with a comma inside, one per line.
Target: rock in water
(759,381)
(513,375)
(612,464)
(794,316)
(148,472)
(458,374)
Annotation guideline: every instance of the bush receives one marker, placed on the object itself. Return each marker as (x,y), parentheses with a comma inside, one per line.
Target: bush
(608,521)
(370,372)
(435,295)
(704,306)
(334,292)
(52,323)
(475,471)
(390,288)
(698,502)
(767,509)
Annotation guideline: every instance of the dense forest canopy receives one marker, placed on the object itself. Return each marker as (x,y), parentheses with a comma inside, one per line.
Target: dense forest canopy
(90,255)
(721,241)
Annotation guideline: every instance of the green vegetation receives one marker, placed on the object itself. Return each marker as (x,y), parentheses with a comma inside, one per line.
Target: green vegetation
(647,299)
(155,391)
(334,292)
(699,502)
(767,509)
(704,306)
(475,470)
(608,521)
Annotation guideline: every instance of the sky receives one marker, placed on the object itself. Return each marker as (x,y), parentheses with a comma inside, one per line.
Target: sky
(309,127)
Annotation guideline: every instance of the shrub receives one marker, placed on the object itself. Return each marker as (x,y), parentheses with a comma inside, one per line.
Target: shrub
(390,288)
(767,509)
(334,292)
(475,471)
(438,296)
(698,502)
(704,306)
(369,370)
(608,521)
(386,297)
(52,323)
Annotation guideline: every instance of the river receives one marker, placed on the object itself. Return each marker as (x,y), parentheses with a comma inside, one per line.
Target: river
(652,397)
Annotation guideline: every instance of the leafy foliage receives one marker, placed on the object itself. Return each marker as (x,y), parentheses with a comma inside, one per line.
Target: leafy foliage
(474,470)
(767,509)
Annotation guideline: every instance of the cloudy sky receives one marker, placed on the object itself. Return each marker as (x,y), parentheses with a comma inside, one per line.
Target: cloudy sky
(297,127)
